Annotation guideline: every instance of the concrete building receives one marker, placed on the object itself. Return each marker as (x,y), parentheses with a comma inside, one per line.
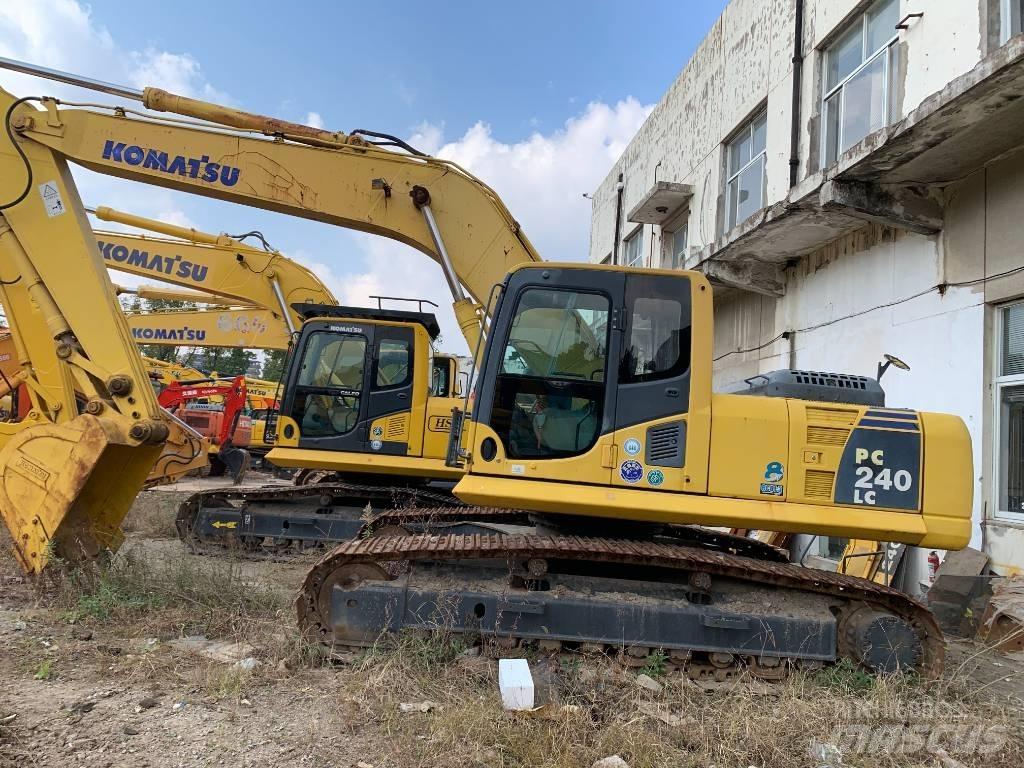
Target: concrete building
(850,176)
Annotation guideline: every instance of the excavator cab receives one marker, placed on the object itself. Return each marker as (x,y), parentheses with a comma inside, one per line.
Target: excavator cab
(595,400)
(359,394)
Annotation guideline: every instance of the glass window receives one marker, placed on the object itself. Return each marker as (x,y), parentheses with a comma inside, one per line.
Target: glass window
(1012,358)
(1011,438)
(659,340)
(440,386)
(1011,13)
(333,360)
(859,73)
(550,391)
(393,363)
(1009,404)
(634,250)
(330,383)
(677,246)
(745,171)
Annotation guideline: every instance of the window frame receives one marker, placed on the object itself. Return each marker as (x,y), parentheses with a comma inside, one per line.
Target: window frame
(377,386)
(1011,22)
(668,253)
(733,175)
(867,59)
(636,236)
(999,383)
(532,380)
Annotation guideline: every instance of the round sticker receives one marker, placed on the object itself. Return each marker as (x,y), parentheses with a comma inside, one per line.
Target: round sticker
(631,446)
(655,477)
(377,431)
(376,444)
(631,471)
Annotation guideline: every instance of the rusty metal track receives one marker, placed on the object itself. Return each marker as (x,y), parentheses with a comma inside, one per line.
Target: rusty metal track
(188,511)
(682,534)
(392,553)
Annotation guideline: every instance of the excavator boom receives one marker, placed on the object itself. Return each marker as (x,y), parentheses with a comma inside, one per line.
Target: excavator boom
(399,196)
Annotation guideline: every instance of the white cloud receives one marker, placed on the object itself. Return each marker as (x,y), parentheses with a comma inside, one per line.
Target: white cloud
(541,179)
(314,120)
(61,34)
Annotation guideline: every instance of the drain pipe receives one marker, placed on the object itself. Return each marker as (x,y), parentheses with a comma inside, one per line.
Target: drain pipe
(650,258)
(798,62)
(618,219)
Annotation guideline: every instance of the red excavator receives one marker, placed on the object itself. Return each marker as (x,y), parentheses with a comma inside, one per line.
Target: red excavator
(225,424)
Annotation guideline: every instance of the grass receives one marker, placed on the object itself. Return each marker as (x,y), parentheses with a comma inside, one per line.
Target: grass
(173,595)
(594,709)
(44,670)
(592,706)
(655,666)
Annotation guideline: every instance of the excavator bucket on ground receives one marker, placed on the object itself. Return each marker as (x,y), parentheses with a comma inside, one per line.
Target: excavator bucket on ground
(64,489)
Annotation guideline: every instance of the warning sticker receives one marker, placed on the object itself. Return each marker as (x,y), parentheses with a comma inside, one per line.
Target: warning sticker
(51,199)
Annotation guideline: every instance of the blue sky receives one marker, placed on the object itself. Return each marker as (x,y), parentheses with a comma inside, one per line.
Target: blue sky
(556,87)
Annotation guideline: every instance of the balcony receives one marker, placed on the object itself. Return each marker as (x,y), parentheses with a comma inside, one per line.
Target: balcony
(886,178)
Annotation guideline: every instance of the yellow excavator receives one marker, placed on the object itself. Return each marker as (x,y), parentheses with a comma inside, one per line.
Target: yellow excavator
(276,294)
(595,449)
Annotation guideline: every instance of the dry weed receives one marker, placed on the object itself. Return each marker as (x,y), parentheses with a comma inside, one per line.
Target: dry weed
(594,709)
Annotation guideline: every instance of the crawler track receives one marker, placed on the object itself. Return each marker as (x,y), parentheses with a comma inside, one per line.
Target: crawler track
(386,560)
(279,521)
(413,510)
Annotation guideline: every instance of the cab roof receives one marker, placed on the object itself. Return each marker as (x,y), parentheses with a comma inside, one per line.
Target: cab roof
(426,319)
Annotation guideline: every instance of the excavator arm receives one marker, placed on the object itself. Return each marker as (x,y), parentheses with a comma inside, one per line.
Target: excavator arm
(244,328)
(296,170)
(70,470)
(209,264)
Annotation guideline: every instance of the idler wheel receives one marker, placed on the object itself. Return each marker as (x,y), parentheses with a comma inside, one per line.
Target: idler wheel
(882,642)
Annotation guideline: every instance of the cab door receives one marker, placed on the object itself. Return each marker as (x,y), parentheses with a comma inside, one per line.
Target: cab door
(652,410)
(387,422)
(547,405)
(327,381)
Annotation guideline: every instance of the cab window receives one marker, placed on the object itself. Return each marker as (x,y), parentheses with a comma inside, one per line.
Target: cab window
(328,392)
(393,363)
(550,389)
(658,332)
(440,386)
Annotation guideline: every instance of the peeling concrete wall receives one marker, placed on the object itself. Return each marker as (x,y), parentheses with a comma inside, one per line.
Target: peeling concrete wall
(744,65)
(835,295)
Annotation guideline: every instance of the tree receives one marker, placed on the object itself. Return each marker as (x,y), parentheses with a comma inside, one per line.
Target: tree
(273,364)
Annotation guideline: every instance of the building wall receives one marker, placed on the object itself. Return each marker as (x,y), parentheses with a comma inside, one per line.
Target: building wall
(946,337)
(745,64)
(873,291)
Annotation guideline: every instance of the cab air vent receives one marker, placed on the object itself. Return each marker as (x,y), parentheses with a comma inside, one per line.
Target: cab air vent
(827,435)
(818,484)
(666,444)
(395,429)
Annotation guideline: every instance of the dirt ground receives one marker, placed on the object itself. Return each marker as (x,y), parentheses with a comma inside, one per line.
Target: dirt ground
(94,672)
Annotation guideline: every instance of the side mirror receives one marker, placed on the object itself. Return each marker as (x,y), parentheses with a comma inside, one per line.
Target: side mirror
(890,360)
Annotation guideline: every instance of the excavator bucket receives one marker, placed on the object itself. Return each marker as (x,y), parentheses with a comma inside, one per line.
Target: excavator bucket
(64,489)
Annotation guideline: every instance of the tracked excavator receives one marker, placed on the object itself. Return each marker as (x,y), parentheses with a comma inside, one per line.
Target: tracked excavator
(228,427)
(595,449)
(213,268)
